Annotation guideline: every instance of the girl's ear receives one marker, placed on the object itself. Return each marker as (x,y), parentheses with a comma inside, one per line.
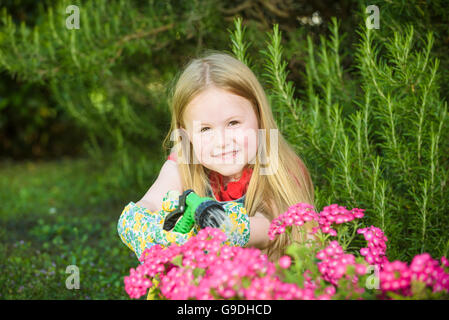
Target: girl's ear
(185,133)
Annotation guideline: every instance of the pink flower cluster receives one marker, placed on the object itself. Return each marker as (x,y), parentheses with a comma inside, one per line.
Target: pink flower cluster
(375,252)
(203,268)
(338,215)
(397,276)
(301,213)
(425,269)
(312,285)
(271,288)
(137,283)
(334,262)
(297,215)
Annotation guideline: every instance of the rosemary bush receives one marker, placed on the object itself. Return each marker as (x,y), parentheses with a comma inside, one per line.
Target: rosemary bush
(374,134)
(111,74)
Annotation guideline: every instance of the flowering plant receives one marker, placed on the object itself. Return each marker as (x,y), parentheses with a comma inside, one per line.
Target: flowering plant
(320,266)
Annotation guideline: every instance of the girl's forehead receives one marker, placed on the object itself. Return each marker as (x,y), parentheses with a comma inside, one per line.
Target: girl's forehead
(217,105)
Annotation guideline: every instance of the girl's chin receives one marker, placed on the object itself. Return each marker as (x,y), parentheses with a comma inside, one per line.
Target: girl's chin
(224,163)
(227,170)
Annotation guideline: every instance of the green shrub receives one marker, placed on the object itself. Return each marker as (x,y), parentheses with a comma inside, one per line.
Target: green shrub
(374,134)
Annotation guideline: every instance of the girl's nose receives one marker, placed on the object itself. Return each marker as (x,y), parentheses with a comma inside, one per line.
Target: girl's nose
(223,139)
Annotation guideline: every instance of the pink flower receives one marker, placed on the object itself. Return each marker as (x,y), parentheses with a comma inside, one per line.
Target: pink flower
(297,215)
(284,262)
(444,261)
(338,215)
(395,276)
(375,252)
(334,262)
(425,269)
(360,269)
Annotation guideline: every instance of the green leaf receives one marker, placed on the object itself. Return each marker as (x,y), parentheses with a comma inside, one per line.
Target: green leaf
(177,261)
(246,282)
(198,272)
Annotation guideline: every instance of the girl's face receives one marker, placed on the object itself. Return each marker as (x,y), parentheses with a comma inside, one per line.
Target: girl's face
(219,122)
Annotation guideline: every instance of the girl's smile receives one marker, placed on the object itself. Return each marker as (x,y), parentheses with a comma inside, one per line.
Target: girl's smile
(227,155)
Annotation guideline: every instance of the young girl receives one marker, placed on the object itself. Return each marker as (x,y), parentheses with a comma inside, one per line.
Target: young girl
(227,146)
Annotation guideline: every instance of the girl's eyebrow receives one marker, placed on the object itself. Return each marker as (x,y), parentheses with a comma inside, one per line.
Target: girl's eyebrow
(205,123)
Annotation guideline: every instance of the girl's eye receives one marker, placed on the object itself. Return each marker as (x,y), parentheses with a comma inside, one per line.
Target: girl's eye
(205,128)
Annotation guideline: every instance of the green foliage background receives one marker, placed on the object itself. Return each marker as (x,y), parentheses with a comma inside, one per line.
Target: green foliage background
(366,110)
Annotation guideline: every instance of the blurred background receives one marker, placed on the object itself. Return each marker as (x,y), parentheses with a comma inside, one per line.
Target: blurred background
(83,113)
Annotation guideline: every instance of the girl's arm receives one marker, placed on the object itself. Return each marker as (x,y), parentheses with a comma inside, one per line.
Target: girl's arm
(259,225)
(258,234)
(168,179)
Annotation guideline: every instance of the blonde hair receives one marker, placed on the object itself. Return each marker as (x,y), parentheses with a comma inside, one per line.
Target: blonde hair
(289,184)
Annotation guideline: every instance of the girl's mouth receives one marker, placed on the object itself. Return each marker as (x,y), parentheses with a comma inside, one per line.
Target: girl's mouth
(227,155)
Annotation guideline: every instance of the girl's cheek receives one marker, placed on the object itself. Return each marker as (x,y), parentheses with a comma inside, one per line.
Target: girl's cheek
(252,145)
(251,139)
(205,153)
(245,144)
(200,148)
(199,151)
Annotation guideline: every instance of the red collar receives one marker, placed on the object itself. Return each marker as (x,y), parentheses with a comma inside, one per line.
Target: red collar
(234,189)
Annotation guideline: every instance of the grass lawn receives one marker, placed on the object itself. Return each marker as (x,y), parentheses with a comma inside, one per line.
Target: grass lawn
(55,214)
